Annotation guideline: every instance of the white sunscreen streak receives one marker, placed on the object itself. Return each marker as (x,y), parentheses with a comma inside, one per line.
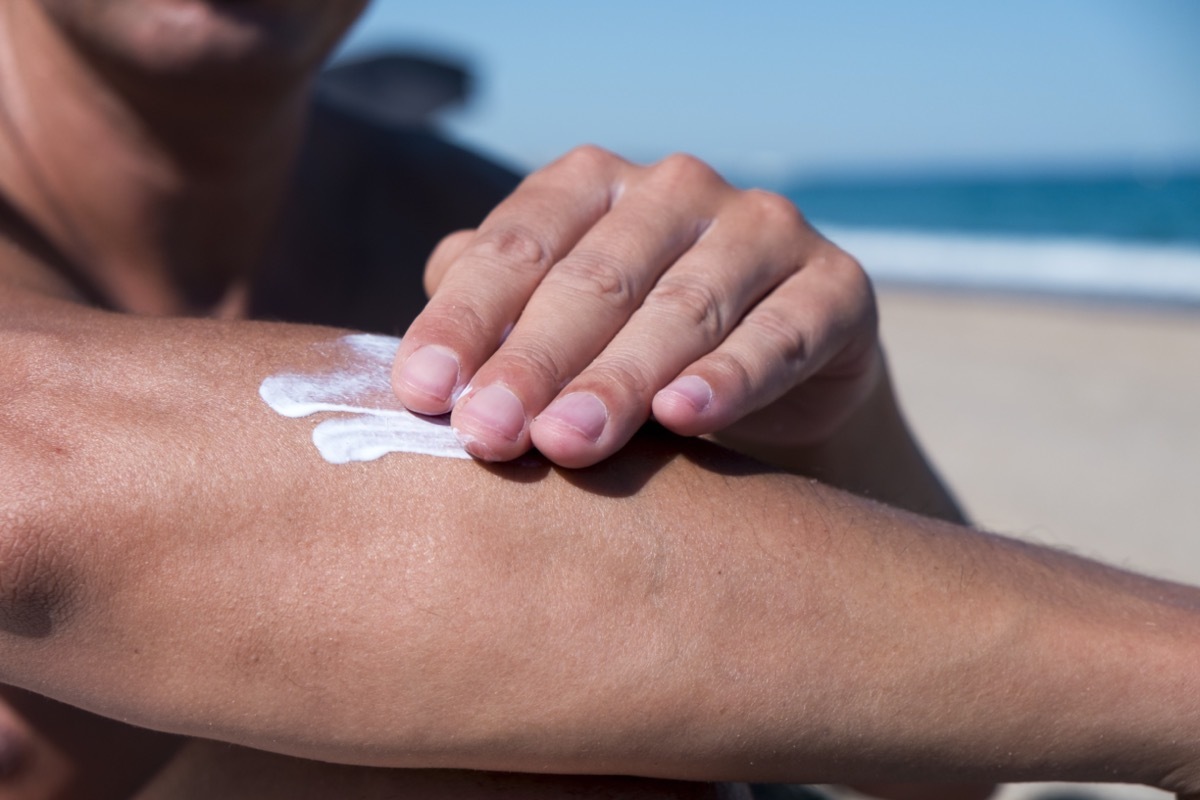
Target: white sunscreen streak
(358,386)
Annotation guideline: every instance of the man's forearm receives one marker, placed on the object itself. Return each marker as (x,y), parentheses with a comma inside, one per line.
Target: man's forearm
(177,555)
(872,455)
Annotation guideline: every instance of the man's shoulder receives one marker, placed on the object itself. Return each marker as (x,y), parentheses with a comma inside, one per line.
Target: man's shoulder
(404,155)
(371,198)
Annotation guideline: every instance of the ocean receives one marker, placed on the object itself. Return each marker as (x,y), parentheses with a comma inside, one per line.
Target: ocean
(1120,237)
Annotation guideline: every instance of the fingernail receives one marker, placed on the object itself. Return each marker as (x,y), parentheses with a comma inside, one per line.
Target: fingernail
(432,371)
(583,412)
(491,410)
(692,388)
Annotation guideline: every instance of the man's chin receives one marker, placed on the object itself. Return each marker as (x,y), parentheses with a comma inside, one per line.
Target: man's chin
(208,39)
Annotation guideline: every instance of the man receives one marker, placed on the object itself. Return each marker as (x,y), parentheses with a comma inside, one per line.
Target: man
(174,555)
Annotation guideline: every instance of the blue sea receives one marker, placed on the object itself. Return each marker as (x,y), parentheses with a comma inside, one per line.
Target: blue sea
(1103,236)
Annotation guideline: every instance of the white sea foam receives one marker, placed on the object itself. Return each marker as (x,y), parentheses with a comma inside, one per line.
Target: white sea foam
(1070,266)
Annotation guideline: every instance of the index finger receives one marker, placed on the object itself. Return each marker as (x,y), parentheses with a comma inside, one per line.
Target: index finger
(489,283)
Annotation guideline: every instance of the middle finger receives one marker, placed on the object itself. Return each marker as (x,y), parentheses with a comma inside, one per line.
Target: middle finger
(574,313)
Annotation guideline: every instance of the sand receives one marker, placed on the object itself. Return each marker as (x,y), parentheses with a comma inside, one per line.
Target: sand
(1071,424)
(1067,424)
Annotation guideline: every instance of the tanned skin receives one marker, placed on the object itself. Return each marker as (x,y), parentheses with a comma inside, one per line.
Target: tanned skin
(176,556)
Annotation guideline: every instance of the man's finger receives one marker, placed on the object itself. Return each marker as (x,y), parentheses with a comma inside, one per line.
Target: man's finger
(448,250)
(689,312)
(584,301)
(483,291)
(812,319)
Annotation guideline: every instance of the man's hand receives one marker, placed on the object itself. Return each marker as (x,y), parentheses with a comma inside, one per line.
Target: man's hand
(601,292)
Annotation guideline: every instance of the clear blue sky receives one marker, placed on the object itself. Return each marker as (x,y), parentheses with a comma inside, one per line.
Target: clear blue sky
(772,86)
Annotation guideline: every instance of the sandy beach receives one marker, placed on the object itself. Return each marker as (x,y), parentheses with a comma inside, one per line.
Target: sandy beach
(1067,423)
(1070,424)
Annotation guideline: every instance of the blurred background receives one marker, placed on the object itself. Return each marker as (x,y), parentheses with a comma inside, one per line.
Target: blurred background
(1022,179)
(890,124)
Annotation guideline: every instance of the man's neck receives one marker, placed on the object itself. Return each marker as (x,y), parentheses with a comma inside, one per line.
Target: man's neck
(162,204)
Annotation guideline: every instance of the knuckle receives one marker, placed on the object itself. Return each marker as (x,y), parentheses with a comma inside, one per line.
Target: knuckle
(624,373)
(534,364)
(854,285)
(516,249)
(454,322)
(589,158)
(693,301)
(731,371)
(597,275)
(685,169)
(774,209)
(780,334)
(469,323)
(845,265)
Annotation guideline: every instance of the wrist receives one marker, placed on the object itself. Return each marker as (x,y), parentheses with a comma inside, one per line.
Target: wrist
(1121,675)
(872,454)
